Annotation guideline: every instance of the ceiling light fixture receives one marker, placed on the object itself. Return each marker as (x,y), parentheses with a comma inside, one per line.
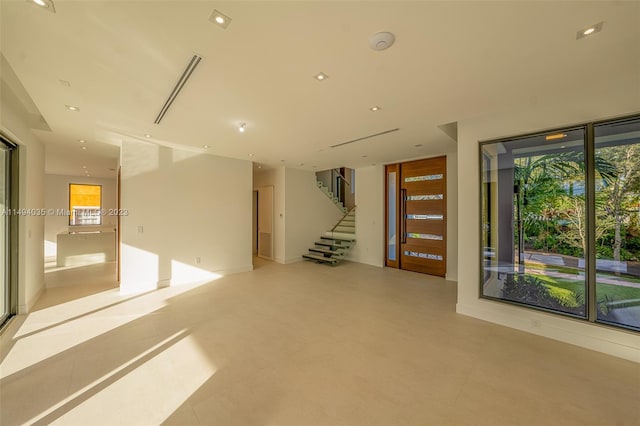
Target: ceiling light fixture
(242,127)
(84,147)
(147,135)
(82,141)
(585,32)
(72,108)
(555,136)
(250,155)
(382,40)
(45,4)
(418,145)
(375,108)
(220,19)
(259,167)
(206,146)
(84,167)
(321,76)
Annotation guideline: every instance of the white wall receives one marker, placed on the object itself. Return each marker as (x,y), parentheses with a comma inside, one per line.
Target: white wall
(309,213)
(369,247)
(14,123)
(452,216)
(556,114)
(187,205)
(275,178)
(57,197)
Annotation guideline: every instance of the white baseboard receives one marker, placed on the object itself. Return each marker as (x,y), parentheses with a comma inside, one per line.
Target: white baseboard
(619,343)
(26,308)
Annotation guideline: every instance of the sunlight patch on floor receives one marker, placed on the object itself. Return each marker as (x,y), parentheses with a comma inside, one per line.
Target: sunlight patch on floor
(170,372)
(62,327)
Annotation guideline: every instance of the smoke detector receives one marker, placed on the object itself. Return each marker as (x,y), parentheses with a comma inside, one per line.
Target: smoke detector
(382,40)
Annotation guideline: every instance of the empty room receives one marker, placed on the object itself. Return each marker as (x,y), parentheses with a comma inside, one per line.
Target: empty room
(320,213)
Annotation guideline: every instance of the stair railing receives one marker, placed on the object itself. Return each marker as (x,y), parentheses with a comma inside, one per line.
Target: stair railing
(343,218)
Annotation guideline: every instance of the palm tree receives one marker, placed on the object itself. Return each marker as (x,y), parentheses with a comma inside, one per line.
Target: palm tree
(532,173)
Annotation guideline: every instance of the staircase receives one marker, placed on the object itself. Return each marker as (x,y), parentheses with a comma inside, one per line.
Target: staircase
(333,197)
(334,245)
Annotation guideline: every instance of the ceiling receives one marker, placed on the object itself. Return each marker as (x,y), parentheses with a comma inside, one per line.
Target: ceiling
(451,61)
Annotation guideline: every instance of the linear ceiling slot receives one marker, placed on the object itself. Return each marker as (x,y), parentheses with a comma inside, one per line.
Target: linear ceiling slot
(178,87)
(365,137)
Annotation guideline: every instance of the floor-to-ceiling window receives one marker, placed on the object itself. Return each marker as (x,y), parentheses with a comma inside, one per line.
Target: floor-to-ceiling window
(560,220)
(7,293)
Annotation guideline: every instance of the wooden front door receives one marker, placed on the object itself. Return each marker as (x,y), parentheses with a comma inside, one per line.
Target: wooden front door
(422,217)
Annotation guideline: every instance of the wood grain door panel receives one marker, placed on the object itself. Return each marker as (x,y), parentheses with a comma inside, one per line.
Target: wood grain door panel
(423,212)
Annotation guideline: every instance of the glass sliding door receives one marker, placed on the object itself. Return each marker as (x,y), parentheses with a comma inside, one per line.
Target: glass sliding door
(617,145)
(6,305)
(533,221)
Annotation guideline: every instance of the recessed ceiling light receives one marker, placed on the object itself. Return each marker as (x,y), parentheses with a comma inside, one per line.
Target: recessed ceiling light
(220,19)
(590,30)
(82,141)
(250,155)
(243,127)
(40,3)
(84,147)
(418,145)
(321,76)
(84,167)
(375,108)
(147,135)
(206,146)
(259,167)
(72,108)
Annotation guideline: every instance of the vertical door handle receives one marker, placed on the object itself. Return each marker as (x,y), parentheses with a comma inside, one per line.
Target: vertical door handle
(403,214)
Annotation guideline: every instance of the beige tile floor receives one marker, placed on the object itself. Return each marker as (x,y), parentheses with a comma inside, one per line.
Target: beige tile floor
(300,344)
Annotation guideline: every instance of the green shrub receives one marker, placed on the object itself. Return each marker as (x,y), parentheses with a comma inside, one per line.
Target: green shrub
(532,291)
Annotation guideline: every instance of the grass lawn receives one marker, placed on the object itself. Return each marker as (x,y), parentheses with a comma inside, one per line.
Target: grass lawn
(566,290)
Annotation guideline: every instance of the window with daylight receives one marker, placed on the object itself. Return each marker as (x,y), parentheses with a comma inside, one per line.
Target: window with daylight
(85,204)
(560,221)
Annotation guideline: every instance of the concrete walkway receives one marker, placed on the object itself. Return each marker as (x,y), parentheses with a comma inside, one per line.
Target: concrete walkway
(571,262)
